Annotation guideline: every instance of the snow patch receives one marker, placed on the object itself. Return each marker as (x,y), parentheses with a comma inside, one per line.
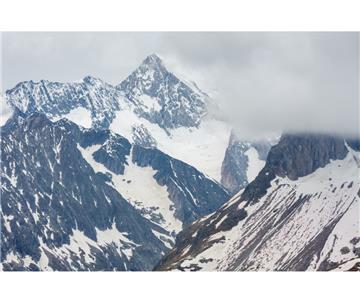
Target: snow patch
(255,164)
(80,116)
(114,236)
(7,220)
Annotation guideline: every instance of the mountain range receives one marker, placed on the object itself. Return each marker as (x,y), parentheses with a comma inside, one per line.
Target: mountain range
(141,175)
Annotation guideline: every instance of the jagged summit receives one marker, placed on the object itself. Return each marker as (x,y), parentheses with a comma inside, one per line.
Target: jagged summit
(162,97)
(152,70)
(150,91)
(92,80)
(153,59)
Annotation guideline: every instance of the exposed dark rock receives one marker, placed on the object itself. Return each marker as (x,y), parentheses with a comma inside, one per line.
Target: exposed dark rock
(345,250)
(49,190)
(193,194)
(296,155)
(354,143)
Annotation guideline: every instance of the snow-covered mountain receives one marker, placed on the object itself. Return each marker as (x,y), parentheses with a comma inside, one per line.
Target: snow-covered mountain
(147,166)
(300,213)
(171,114)
(152,108)
(145,163)
(86,199)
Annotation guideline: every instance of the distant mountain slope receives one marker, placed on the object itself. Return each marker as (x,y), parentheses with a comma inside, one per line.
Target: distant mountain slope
(300,213)
(77,199)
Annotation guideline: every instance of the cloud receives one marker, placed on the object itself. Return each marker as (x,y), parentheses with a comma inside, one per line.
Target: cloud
(274,82)
(71,56)
(263,82)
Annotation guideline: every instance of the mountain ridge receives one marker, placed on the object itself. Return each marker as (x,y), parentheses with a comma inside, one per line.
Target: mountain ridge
(309,223)
(152,107)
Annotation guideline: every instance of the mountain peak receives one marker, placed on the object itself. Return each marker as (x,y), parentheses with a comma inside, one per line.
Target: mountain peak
(91,80)
(153,61)
(161,96)
(153,58)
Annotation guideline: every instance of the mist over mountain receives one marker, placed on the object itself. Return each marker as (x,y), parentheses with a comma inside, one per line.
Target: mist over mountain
(86,184)
(214,151)
(264,83)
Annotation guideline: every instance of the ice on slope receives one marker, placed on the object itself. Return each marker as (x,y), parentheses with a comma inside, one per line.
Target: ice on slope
(203,147)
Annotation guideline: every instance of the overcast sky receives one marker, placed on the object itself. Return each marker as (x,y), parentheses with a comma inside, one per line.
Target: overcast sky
(263,82)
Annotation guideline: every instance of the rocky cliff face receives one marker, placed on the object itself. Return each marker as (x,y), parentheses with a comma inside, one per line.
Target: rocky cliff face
(296,156)
(300,213)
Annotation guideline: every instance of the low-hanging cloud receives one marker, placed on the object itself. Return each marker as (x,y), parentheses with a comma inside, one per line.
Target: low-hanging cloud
(262,82)
(274,82)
